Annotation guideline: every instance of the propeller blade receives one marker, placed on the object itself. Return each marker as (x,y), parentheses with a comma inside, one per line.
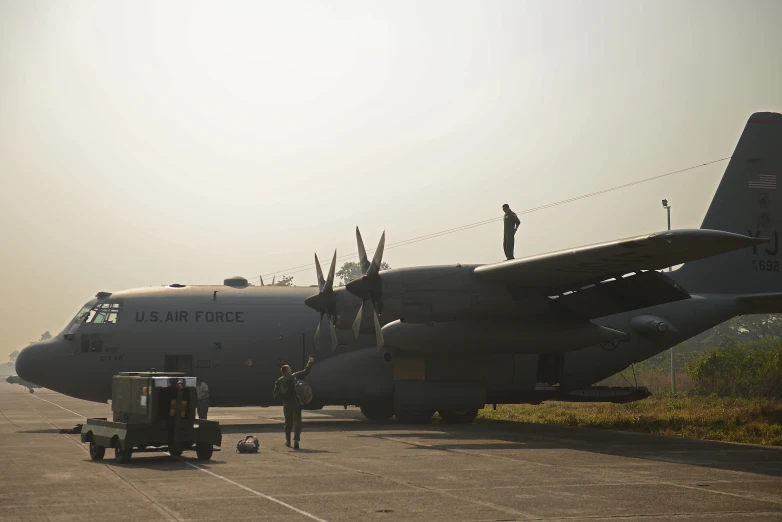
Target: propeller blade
(374,268)
(273,279)
(316,339)
(334,340)
(362,253)
(261,280)
(330,280)
(378,330)
(357,321)
(321,282)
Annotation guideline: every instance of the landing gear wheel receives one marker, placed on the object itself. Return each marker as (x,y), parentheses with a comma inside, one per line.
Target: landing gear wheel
(377,410)
(414,416)
(96,452)
(204,450)
(175,450)
(458,416)
(122,455)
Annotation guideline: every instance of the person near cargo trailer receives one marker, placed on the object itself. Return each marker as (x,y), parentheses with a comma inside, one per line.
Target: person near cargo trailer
(285,389)
(202,393)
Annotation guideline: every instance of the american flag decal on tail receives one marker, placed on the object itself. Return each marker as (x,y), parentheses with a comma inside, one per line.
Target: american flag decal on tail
(764,181)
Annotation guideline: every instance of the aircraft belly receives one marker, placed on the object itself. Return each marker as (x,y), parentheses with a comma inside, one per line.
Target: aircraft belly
(686,318)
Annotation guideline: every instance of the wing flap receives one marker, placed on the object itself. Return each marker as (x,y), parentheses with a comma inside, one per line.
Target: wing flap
(594,263)
(619,295)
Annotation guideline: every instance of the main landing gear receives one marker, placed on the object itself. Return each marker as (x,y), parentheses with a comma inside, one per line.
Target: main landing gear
(377,411)
(458,416)
(466,416)
(414,416)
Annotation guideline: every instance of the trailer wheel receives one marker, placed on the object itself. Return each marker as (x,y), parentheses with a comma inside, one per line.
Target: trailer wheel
(204,450)
(96,452)
(122,456)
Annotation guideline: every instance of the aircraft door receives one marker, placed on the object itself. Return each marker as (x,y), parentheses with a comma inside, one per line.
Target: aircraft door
(179,363)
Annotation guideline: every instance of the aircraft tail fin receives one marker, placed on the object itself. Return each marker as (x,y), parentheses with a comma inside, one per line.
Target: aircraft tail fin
(748,201)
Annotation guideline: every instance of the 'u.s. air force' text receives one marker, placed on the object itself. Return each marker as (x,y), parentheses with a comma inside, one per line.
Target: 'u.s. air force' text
(189,317)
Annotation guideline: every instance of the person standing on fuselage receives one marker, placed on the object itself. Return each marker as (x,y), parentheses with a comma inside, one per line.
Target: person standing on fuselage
(285,389)
(511,225)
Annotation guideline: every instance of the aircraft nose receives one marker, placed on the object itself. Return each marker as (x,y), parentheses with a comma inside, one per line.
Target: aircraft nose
(28,363)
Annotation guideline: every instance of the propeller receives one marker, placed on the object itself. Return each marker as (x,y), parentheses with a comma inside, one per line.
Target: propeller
(325,301)
(368,287)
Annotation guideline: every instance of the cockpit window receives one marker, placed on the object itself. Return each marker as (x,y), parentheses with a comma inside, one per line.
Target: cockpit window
(104,313)
(84,313)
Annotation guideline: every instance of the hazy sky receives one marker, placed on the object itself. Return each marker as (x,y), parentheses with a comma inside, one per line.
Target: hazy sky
(147,143)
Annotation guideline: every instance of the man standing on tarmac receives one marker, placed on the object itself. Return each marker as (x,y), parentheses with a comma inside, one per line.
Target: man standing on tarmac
(285,389)
(202,393)
(511,225)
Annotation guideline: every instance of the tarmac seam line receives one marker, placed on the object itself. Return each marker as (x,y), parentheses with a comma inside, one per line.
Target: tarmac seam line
(726,493)
(254,492)
(162,509)
(509,511)
(155,503)
(258,493)
(9,420)
(53,404)
(658,515)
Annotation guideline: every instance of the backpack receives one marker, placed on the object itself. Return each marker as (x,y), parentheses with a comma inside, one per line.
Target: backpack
(287,389)
(303,392)
(249,444)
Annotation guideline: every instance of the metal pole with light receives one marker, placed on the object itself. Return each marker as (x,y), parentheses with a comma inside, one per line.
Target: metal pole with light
(667,207)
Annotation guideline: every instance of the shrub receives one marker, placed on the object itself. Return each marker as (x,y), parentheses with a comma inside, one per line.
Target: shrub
(752,369)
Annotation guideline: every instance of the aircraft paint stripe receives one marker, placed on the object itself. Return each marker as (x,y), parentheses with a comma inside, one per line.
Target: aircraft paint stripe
(258,493)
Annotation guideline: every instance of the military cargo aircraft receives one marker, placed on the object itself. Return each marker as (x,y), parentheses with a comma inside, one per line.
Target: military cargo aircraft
(412,341)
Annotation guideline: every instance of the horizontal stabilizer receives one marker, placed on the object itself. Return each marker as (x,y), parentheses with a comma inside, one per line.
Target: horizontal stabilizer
(770,303)
(589,264)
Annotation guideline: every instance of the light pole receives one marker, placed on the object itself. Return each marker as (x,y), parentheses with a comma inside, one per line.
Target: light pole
(667,207)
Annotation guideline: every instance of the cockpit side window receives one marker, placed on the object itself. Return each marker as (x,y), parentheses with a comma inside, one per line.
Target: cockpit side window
(84,313)
(104,313)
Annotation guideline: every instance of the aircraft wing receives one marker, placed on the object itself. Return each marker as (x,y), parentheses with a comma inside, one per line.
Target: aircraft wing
(570,269)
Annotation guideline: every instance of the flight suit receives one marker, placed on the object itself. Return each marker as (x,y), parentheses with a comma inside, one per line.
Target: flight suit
(510,222)
(290,406)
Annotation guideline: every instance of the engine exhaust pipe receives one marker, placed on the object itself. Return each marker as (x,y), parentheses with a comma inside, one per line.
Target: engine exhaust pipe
(388,357)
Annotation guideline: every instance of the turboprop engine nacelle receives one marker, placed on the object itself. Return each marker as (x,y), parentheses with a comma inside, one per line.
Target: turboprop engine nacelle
(653,327)
(505,336)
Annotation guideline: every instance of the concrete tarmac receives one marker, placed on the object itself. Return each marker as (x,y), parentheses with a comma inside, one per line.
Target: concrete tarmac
(350,469)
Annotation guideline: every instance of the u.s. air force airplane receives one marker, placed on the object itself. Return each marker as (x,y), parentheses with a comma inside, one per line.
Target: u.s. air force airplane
(448,338)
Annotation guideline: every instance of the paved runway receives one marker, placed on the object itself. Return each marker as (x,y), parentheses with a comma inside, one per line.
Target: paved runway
(350,469)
